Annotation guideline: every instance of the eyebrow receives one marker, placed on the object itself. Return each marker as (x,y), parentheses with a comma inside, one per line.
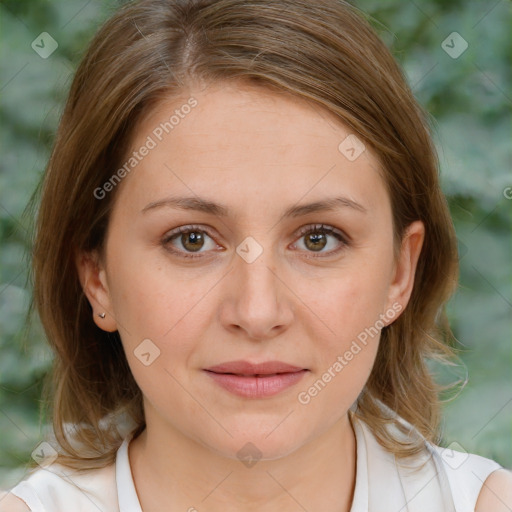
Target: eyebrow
(212,208)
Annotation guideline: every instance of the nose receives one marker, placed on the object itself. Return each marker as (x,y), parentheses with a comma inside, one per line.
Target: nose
(258,300)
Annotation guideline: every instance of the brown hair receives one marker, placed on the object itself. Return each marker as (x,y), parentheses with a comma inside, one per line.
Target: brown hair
(324,52)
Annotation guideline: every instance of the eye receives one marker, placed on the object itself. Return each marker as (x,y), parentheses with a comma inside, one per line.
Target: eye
(316,238)
(189,239)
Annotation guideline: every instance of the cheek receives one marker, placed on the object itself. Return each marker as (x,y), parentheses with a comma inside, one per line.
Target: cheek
(149,301)
(344,355)
(348,304)
(159,318)
(346,318)
(354,323)
(172,311)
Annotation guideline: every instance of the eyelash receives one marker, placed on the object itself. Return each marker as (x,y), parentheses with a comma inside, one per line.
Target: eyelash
(306,230)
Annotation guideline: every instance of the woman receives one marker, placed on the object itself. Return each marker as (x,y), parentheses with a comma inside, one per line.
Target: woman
(242,259)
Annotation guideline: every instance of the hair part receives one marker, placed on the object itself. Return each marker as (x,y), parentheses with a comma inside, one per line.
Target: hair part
(323,52)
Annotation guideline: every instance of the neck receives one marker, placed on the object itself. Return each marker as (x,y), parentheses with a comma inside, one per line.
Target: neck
(186,475)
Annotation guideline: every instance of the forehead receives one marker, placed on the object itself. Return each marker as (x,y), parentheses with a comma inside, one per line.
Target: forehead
(233,118)
(253,145)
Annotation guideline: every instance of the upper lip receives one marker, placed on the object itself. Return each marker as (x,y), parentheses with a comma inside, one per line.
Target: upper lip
(247,368)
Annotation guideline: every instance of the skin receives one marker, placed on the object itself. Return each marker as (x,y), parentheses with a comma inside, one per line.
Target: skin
(258,154)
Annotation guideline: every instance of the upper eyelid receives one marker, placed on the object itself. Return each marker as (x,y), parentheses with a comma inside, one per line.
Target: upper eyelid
(320,227)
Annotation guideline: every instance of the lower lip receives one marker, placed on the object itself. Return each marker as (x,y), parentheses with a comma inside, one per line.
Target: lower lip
(256,387)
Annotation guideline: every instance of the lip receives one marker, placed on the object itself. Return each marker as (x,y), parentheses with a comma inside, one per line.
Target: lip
(247,368)
(256,380)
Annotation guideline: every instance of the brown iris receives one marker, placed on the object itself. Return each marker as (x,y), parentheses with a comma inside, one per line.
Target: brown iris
(193,240)
(315,241)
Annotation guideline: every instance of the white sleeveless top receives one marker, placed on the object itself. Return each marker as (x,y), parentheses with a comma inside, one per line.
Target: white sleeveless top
(448,481)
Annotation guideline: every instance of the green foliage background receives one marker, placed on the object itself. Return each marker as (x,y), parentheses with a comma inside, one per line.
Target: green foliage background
(470,102)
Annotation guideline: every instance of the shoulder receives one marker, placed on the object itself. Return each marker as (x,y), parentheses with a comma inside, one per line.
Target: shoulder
(54,487)
(470,477)
(496,493)
(11,503)
(474,483)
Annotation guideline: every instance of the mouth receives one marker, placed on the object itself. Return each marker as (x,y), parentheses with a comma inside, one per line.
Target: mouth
(260,380)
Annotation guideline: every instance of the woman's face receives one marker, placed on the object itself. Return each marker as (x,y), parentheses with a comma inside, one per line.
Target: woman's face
(247,174)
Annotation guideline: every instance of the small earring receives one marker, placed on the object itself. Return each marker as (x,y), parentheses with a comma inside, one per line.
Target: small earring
(101,315)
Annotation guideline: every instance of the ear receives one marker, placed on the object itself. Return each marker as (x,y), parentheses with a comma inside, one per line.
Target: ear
(404,271)
(93,279)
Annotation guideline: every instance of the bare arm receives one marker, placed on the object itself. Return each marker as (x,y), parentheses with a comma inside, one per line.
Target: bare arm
(496,493)
(11,503)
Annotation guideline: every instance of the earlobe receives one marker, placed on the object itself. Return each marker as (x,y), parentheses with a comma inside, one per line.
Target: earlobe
(402,282)
(94,284)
